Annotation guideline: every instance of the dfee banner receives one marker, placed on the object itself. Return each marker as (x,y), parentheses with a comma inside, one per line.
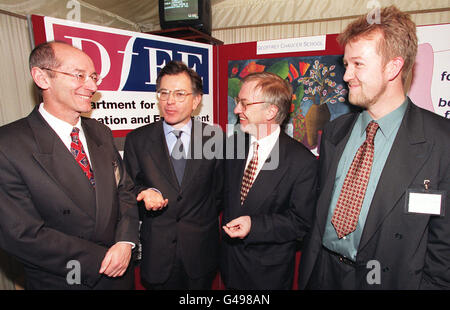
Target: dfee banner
(129,63)
(431,73)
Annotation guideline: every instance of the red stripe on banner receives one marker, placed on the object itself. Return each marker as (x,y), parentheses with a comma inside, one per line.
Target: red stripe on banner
(121,133)
(38,29)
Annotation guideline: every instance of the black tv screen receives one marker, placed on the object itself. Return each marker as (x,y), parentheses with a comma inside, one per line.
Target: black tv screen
(181,13)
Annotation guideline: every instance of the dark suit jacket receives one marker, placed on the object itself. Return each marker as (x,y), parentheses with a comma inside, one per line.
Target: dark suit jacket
(190,220)
(280,203)
(49,212)
(412,249)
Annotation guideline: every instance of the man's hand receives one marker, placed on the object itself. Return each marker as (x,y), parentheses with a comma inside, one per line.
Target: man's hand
(116,260)
(153,200)
(239,227)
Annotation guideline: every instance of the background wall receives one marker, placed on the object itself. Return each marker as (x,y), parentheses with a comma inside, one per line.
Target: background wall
(236,21)
(233,21)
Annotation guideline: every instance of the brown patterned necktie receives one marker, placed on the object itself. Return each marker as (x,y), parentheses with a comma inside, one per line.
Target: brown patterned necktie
(348,207)
(77,150)
(249,174)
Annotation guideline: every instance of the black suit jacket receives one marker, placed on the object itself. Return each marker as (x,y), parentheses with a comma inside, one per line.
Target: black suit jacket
(190,220)
(49,212)
(280,203)
(412,249)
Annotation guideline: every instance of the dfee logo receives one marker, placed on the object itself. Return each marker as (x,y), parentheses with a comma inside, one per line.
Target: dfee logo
(131,63)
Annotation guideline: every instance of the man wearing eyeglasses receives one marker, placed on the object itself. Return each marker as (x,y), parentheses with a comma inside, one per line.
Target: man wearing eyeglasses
(269,194)
(180,188)
(67,209)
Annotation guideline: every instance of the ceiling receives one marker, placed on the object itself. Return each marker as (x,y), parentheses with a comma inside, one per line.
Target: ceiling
(144,13)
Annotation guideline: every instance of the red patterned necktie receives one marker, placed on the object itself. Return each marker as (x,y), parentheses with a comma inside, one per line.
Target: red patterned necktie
(350,200)
(249,174)
(77,150)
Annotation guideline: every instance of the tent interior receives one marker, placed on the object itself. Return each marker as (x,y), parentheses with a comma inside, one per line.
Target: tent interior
(233,21)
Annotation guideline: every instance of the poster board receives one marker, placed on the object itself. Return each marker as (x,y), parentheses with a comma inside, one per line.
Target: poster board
(430,85)
(313,66)
(129,63)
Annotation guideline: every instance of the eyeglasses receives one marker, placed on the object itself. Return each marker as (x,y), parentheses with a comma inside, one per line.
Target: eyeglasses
(244,103)
(81,77)
(178,95)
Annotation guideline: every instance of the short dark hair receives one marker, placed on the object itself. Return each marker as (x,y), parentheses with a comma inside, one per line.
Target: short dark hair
(175,67)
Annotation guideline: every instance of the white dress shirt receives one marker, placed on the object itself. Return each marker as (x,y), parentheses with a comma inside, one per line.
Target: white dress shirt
(63,130)
(266,145)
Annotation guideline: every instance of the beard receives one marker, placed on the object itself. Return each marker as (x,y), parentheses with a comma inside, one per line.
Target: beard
(364,100)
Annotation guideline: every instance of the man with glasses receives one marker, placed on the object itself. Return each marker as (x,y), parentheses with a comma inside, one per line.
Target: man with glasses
(269,194)
(67,209)
(178,185)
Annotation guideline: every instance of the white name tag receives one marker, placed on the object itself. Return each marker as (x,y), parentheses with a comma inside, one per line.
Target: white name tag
(425,202)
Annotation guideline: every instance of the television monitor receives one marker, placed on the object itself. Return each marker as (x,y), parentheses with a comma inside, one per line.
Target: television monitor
(182,13)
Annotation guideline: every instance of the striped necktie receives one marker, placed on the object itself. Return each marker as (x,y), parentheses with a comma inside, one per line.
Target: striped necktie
(249,174)
(77,150)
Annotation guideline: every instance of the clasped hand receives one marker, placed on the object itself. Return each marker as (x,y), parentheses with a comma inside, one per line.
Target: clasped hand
(116,260)
(239,227)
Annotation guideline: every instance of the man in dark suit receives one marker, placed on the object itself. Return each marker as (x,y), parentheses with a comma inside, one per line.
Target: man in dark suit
(178,178)
(67,209)
(269,192)
(395,241)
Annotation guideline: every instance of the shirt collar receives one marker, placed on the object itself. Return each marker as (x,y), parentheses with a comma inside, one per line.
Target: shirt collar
(186,129)
(387,123)
(267,140)
(57,124)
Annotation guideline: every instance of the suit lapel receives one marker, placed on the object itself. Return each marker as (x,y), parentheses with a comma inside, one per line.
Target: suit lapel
(261,188)
(195,148)
(60,165)
(157,149)
(104,180)
(235,169)
(407,156)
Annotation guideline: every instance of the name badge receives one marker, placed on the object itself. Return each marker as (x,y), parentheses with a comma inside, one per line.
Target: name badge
(425,201)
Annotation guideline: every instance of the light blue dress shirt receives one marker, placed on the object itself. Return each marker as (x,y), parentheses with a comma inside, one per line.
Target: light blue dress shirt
(384,138)
(171,139)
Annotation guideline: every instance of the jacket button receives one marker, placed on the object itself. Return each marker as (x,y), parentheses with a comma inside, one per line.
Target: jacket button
(179,198)
(398,236)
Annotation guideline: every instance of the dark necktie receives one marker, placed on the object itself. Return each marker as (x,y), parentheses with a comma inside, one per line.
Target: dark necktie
(178,157)
(249,173)
(348,207)
(77,150)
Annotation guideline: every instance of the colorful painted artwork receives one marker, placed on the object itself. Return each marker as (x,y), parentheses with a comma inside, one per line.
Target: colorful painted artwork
(319,92)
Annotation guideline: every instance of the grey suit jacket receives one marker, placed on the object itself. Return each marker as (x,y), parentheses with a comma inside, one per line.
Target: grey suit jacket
(413,249)
(49,212)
